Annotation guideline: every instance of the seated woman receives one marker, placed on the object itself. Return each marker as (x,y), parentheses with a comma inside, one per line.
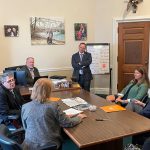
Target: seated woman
(136,89)
(145,111)
(43,119)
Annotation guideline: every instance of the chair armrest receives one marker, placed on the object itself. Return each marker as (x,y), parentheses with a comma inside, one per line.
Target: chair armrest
(49,147)
(13,117)
(18,131)
(18,135)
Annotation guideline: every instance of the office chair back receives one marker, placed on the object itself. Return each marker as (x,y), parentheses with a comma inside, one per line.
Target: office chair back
(8,144)
(145,98)
(5,142)
(14,68)
(20,77)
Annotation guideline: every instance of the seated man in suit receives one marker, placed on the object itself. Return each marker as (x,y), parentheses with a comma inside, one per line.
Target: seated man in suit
(30,70)
(10,97)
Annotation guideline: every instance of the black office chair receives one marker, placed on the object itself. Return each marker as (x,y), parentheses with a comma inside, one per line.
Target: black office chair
(145,99)
(146,145)
(14,68)
(12,122)
(12,140)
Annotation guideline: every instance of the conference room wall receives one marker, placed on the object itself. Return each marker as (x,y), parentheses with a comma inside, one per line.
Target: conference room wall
(107,15)
(50,59)
(14,50)
(98,15)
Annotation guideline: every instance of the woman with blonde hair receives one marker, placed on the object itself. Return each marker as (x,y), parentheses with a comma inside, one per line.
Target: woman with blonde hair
(43,119)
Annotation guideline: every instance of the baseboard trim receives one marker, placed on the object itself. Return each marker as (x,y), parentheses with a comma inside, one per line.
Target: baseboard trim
(51,70)
(55,69)
(100,90)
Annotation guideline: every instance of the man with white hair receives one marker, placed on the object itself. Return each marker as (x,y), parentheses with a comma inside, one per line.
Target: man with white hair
(30,71)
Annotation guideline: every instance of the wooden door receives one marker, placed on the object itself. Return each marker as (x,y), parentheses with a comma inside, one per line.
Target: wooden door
(133,50)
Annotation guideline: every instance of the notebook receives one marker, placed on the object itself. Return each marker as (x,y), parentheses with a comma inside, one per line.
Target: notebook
(112,108)
(54,99)
(36,78)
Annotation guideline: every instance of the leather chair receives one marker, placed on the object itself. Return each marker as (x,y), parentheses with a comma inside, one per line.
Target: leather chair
(14,68)
(12,140)
(12,122)
(146,145)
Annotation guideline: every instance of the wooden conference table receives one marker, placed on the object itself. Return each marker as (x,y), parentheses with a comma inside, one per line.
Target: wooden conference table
(96,135)
(104,135)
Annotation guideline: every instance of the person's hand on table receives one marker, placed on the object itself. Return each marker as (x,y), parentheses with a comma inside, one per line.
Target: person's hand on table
(119,100)
(82,116)
(139,103)
(79,115)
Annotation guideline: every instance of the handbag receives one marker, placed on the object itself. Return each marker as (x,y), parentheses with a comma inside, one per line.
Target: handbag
(131,147)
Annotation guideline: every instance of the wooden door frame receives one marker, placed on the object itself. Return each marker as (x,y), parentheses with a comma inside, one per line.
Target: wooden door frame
(114,66)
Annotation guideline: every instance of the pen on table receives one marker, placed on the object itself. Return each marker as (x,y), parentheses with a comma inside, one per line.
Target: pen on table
(101,119)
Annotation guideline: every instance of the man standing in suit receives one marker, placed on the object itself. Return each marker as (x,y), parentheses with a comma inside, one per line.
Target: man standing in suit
(81,63)
(30,70)
(10,97)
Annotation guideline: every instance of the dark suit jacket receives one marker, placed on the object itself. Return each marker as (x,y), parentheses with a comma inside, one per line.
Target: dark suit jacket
(9,104)
(84,65)
(29,79)
(146,110)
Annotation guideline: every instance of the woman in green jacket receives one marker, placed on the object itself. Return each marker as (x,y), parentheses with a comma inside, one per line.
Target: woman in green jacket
(136,89)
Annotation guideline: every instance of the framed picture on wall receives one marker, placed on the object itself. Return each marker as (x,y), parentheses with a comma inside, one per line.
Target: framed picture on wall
(11,30)
(80,30)
(47,31)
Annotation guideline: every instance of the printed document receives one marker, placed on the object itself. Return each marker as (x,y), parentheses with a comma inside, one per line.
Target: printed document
(71,102)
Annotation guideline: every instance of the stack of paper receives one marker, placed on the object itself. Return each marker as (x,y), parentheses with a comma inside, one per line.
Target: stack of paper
(72,111)
(71,102)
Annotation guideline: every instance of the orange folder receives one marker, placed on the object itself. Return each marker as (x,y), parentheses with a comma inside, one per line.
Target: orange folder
(112,108)
(54,98)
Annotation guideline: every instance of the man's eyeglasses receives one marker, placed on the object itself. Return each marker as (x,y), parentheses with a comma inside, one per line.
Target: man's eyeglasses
(9,81)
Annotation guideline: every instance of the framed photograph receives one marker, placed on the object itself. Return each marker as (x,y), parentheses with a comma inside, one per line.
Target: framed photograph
(47,31)
(80,30)
(11,30)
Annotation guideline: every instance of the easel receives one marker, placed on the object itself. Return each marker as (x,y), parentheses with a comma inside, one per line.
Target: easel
(110,84)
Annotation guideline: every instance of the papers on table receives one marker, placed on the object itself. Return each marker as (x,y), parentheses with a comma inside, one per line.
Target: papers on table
(54,99)
(63,83)
(112,108)
(72,111)
(56,81)
(71,102)
(82,106)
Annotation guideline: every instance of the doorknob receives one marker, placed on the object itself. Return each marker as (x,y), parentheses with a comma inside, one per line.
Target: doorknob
(146,61)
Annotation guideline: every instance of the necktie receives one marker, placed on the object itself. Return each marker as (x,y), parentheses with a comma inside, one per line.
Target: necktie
(32,72)
(15,100)
(81,56)
(81,71)
(13,94)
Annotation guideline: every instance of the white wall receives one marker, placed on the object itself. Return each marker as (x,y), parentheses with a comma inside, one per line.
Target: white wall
(98,14)
(14,50)
(107,12)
